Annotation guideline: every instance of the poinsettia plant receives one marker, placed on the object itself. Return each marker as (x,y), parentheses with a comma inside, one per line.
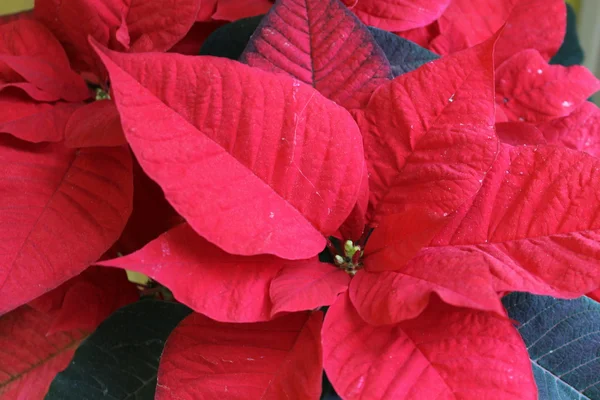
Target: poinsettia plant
(348,187)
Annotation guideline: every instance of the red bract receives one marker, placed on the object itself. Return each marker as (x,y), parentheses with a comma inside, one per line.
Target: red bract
(579,130)
(218,161)
(133,26)
(86,300)
(528,89)
(397,15)
(34,61)
(61,210)
(29,357)
(33,121)
(445,353)
(532,227)
(279,359)
(417,130)
(233,288)
(466,23)
(322,44)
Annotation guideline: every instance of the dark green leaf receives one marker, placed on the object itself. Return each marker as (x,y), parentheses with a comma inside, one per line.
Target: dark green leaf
(230,40)
(403,55)
(570,53)
(563,340)
(119,361)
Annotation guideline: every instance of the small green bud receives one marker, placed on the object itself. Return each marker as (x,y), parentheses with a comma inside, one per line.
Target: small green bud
(348,248)
(339,260)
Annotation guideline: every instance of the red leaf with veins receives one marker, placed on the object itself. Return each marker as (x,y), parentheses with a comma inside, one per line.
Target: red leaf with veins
(60,210)
(445,353)
(225,287)
(29,357)
(125,25)
(284,176)
(232,10)
(394,15)
(32,58)
(579,130)
(356,223)
(466,23)
(418,130)
(321,44)
(529,89)
(32,121)
(307,286)
(86,300)
(271,360)
(534,227)
(95,125)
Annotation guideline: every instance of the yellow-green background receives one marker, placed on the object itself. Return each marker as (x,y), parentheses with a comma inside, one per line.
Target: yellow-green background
(10,6)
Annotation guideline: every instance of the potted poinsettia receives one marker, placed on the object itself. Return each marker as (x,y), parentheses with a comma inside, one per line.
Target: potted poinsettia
(313,193)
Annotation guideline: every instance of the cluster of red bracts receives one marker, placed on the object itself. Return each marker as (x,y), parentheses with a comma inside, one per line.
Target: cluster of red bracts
(472,176)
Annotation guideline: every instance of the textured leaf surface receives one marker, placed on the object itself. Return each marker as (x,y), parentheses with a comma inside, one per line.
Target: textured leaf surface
(30,358)
(280,359)
(232,10)
(285,176)
(60,210)
(95,125)
(120,359)
(86,300)
(307,287)
(131,25)
(398,15)
(466,23)
(227,287)
(322,44)
(418,128)
(528,89)
(532,227)
(30,53)
(32,121)
(563,340)
(230,40)
(446,353)
(404,56)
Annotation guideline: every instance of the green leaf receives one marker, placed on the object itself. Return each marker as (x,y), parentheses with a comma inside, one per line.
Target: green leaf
(563,340)
(570,52)
(119,361)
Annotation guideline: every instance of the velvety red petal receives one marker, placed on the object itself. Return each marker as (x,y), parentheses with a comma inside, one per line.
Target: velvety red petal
(321,44)
(61,209)
(466,23)
(31,358)
(95,125)
(446,353)
(397,15)
(250,178)
(150,25)
(232,10)
(225,287)
(534,226)
(30,53)
(280,359)
(306,285)
(418,128)
(529,89)
(32,121)
(88,299)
